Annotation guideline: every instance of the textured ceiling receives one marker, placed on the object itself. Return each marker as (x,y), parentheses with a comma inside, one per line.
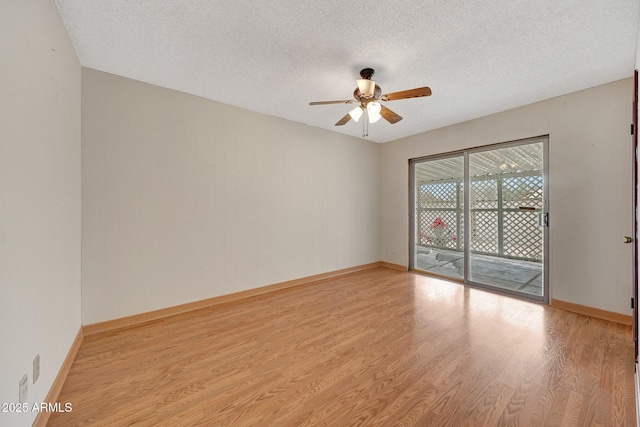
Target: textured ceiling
(274,57)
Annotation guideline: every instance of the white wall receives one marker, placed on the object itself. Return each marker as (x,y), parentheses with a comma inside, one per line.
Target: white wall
(590,187)
(185,199)
(39,198)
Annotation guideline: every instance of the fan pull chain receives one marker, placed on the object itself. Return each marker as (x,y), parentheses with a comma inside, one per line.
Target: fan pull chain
(365,123)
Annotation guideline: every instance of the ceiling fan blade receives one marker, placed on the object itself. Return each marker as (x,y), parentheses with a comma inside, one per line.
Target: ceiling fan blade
(344,120)
(389,115)
(346,101)
(411,93)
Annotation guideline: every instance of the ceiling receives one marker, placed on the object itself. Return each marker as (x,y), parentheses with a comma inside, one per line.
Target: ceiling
(275,57)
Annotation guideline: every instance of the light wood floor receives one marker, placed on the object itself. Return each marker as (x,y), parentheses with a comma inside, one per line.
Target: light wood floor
(374,348)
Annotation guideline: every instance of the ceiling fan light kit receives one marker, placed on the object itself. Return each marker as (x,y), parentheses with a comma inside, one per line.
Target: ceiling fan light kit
(374,107)
(368,93)
(355,114)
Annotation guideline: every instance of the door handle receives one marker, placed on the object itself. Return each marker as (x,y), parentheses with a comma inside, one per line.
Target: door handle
(543,219)
(628,239)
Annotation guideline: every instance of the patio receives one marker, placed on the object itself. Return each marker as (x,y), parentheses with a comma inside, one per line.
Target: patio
(517,275)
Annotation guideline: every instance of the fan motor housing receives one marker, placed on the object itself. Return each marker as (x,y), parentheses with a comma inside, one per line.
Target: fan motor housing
(376,94)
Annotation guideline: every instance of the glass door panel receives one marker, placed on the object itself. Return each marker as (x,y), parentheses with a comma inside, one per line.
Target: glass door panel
(438,228)
(505,216)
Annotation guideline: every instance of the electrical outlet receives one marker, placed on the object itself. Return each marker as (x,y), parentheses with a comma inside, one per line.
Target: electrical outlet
(22,398)
(36,368)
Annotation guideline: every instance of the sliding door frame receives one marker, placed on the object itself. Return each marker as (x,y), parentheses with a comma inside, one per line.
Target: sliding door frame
(467,214)
(412,209)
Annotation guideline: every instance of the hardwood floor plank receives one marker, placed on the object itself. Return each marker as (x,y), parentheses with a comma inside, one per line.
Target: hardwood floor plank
(377,347)
(523,407)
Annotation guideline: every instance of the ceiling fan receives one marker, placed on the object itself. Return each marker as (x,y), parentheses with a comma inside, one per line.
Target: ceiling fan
(367,94)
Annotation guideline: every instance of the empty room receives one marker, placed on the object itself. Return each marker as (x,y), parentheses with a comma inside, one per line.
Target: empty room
(318,213)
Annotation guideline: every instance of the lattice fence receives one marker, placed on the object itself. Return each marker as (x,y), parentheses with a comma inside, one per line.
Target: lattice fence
(439,215)
(522,191)
(441,195)
(484,231)
(522,235)
(499,225)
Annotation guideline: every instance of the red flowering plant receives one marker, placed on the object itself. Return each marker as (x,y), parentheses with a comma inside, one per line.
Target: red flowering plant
(439,234)
(438,224)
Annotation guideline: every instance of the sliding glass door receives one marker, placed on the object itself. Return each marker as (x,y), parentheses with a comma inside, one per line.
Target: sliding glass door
(495,233)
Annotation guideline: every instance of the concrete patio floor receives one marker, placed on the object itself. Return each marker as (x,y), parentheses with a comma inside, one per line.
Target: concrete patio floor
(521,276)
